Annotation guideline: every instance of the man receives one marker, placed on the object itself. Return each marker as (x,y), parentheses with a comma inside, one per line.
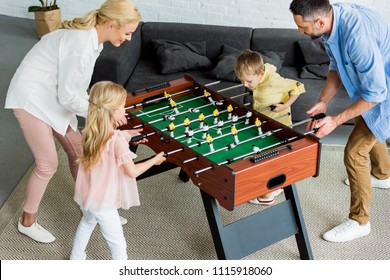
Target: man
(357,40)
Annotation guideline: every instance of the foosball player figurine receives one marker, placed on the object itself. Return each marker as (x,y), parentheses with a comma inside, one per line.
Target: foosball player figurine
(230,110)
(208,95)
(201,120)
(209,140)
(193,110)
(215,113)
(247,117)
(219,126)
(171,128)
(234,119)
(167,96)
(186,123)
(256,149)
(205,130)
(234,131)
(258,124)
(172,104)
(189,135)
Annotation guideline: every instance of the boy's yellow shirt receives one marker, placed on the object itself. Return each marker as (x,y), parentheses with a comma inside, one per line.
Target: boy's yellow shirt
(272,89)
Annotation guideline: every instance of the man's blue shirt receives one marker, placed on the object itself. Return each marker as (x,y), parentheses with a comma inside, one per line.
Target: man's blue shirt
(359,50)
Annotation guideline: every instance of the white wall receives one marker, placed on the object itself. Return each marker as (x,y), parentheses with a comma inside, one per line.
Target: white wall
(251,13)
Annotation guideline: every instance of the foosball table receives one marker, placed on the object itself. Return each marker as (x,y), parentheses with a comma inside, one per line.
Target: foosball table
(233,154)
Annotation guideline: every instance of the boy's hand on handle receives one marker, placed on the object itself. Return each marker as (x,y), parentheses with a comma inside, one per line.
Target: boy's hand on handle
(278,107)
(160,158)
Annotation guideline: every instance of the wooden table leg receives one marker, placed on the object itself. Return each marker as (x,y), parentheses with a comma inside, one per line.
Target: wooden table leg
(257,231)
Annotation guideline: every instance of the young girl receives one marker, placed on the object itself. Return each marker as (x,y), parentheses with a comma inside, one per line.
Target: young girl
(49,89)
(269,89)
(106,175)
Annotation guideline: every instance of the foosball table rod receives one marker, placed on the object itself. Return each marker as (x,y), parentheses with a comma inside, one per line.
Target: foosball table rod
(224,135)
(313,118)
(164,118)
(142,136)
(239,95)
(218,137)
(196,173)
(173,152)
(268,133)
(196,120)
(230,88)
(173,94)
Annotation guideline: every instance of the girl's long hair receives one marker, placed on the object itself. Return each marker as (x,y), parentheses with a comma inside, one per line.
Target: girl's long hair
(105,97)
(119,11)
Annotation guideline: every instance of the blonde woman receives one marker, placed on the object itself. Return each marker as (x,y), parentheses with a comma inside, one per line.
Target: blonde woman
(106,176)
(49,89)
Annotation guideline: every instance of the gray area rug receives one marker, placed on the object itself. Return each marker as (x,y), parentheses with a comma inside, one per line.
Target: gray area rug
(171,223)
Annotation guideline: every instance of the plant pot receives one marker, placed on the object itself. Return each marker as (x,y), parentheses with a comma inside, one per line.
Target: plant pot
(47,21)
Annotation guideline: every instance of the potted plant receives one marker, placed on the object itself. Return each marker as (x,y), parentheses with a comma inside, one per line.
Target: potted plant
(47,16)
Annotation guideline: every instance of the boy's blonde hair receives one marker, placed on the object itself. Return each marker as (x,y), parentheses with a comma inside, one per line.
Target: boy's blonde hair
(105,97)
(119,11)
(248,62)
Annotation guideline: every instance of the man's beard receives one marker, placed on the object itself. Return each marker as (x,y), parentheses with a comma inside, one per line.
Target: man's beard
(314,37)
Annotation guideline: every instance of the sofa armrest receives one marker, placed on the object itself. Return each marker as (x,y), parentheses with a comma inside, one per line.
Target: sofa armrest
(116,64)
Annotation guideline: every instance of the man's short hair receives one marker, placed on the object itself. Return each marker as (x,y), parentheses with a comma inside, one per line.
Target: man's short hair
(310,8)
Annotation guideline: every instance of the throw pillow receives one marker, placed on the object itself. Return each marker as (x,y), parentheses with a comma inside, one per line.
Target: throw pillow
(176,57)
(224,70)
(314,51)
(314,71)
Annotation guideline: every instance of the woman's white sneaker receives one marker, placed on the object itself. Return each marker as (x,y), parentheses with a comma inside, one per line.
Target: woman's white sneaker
(347,231)
(123,220)
(36,232)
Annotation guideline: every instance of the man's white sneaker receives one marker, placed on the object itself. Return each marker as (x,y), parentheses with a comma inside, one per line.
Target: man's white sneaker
(36,232)
(347,231)
(375,183)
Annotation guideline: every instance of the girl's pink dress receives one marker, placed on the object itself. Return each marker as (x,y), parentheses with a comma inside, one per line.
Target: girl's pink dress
(106,186)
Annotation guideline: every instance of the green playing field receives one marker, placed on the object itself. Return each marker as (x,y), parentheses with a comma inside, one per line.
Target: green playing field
(154,114)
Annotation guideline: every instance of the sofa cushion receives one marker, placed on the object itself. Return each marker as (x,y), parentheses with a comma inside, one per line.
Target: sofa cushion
(315,71)
(314,52)
(224,70)
(214,36)
(176,57)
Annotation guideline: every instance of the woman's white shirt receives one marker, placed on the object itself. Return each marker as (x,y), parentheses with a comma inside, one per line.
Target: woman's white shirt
(51,82)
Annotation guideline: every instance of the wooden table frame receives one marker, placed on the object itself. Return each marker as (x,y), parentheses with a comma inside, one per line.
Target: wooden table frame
(257,231)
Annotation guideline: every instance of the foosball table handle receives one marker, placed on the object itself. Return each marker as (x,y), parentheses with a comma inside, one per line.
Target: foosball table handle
(138,138)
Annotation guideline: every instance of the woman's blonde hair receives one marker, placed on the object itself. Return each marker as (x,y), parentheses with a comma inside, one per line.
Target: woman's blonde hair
(248,62)
(118,11)
(105,97)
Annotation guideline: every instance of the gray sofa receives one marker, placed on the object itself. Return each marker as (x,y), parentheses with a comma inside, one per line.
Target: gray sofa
(138,64)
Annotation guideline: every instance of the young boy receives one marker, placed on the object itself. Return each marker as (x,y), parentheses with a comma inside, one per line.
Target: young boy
(269,89)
